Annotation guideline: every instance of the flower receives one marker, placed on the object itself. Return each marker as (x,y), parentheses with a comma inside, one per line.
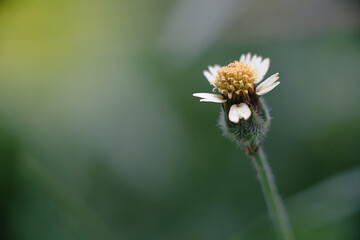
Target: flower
(239,85)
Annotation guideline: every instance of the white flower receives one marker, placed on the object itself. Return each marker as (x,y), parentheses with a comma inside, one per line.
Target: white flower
(238,83)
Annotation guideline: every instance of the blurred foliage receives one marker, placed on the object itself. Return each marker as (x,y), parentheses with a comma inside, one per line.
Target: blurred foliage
(100,137)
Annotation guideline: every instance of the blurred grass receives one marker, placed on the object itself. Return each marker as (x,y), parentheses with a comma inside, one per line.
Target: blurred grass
(333,203)
(64,205)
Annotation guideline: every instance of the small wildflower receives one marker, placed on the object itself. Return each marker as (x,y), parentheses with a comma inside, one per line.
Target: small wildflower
(245,119)
(240,86)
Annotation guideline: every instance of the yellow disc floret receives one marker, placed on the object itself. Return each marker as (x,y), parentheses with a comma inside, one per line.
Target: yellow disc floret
(235,80)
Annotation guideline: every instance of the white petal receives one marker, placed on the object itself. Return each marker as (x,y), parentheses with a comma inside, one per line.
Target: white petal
(262,69)
(242,58)
(206,95)
(270,80)
(267,89)
(258,62)
(239,111)
(211,73)
(253,61)
(244,111)
(214,100)
(209,97)
(209,76)
(255,64)
(233,114)
(268,85)
(214,69)
(248,58)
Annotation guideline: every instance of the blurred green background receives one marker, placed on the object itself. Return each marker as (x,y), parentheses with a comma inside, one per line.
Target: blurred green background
(100,137)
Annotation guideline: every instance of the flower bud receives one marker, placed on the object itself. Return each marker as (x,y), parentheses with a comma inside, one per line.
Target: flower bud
(251,131)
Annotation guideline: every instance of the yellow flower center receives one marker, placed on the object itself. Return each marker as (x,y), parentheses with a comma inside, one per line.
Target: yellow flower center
(235,80)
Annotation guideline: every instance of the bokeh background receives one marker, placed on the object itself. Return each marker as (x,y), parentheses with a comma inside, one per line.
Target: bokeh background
(100,137)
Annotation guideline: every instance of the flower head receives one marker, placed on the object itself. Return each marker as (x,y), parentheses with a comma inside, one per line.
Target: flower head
(239,86)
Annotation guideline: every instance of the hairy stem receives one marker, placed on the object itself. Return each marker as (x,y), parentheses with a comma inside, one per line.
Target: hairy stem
(273,199)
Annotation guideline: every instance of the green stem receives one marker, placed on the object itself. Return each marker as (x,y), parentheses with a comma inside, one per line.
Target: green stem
(273,199)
